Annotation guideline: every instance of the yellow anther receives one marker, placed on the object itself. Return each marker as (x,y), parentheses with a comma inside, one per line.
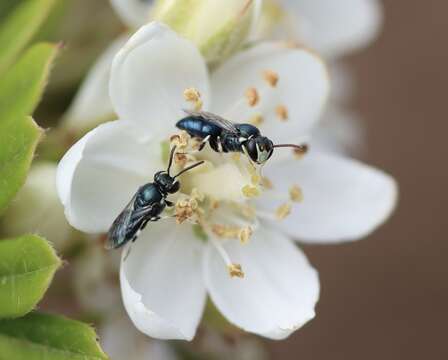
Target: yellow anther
(185,209)
(193,95)
(252,96)
(256,120)
(282,112)
(235,270)
(250,191)
(245,234)
(180,140)
(271,77)
(180,159)
(225,231)
(266,183)
(296,193)
(283,211)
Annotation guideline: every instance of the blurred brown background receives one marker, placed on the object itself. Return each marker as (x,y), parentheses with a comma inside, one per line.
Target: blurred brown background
(386,297)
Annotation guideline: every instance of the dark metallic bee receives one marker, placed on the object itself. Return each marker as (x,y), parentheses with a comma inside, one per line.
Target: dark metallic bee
(225,136)
(146,205)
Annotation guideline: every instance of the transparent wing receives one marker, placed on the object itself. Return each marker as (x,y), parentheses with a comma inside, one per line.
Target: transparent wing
(118,231)
(214,119)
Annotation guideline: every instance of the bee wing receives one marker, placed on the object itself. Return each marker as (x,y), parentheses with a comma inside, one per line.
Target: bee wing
(214,119)
(118,233)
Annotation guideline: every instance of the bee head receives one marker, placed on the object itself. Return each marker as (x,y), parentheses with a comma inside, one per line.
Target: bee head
(166,183)
(259,149)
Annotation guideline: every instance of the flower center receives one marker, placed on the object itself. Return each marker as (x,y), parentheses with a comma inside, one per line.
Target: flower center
(218,198)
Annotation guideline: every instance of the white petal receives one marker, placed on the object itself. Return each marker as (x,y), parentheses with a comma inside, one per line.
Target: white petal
(337,27)
(303,88)
(161,282)
(340,130)
(278,293)
(343,199)
(150,75)
(99,175)
(92,104)
(134,13)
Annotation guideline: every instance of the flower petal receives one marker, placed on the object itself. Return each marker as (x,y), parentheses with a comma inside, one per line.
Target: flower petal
(278,293)
(92,103)
(335,28)
(302,89)
(150,75)
(134,13)
(343,198)
(161,282)
(99,175)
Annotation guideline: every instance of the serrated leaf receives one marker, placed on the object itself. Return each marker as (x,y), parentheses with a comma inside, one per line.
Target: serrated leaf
(20,91)
(48,337)
(27,266)
(17,30)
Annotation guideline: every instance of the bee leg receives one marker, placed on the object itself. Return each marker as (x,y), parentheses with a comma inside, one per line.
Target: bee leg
(204,142)
(220,148)
(169,203)
(155,218)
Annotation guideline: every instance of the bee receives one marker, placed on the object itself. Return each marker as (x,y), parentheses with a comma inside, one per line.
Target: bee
(146,205)
(225,136)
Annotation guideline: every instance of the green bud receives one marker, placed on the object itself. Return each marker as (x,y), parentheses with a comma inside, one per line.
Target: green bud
(217,27)
(37,209)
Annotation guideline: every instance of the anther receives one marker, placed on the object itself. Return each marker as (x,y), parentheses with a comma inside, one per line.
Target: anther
(283,211)
(296,193)
(245,234)
(235,270)
(193,95)
(271,77)
(252,96)
(300,151)
(282,112)
(250,191)
(266,183)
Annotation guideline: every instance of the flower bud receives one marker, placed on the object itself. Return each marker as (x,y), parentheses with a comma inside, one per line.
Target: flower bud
(37,209)
(217,27)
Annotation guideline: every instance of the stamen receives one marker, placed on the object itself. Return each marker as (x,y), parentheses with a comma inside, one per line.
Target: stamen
(250,191)
(271,77)
(283,211)
(193,95)
(252,96)
(186,209)
(197,195)
(256,120)
(296,193)
(180,159)
(180,140)
(245,234)
(282,112)
(225,231)
(235,270)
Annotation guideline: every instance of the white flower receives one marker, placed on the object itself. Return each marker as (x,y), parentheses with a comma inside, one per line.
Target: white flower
(333,28)
(169,270)
(92,104)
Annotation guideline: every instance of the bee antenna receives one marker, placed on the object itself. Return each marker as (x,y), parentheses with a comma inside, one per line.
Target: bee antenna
(302,148)
(173,150)
(189,168)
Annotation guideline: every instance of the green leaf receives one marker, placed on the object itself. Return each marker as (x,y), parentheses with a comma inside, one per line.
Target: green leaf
(20,91)
(48,337)
(27,266)
(18,29)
